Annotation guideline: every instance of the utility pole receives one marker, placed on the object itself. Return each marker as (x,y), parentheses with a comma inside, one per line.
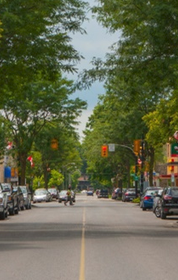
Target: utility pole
(136,165)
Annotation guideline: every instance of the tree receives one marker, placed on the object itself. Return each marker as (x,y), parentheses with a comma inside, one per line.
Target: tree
(44,102)
(65,154)
(56,179)
(35,49)
(141,68)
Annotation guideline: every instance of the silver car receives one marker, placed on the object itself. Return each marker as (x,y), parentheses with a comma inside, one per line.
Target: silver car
(63,196)
(41,195)
(3,204)
(27,196)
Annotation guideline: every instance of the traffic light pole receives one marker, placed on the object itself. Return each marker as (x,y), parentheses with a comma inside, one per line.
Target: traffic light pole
(136,166)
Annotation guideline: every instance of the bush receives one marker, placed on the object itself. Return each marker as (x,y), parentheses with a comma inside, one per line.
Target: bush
(136,200)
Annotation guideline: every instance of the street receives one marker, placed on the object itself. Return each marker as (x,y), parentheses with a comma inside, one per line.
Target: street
(96,239)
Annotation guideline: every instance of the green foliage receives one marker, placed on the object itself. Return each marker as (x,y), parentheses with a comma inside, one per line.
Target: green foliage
(140,75)
(56,179)
(38,182)
(75,175)
(136,200)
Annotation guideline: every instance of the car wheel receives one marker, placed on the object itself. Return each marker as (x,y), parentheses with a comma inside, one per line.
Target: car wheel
(163,215)
(157,212)
(22,207)
(2,215)
(12,212)
(17,210)
(143,208)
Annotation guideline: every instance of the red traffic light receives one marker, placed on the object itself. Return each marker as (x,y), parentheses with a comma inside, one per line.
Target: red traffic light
(171,168)
(104,151)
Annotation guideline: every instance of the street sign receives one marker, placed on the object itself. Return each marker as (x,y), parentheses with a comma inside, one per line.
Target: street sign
(172,178)
(111,147)
(136,178)
(174,150)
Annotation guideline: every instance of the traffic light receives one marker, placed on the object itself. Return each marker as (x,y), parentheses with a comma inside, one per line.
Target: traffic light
(136,146)
(171,167)
(104,151)
(54,144)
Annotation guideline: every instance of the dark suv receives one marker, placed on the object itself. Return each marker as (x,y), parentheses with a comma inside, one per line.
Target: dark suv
(103,193)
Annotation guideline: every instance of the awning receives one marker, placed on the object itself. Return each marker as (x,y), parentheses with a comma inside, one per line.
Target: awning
(168,176)
(172,163)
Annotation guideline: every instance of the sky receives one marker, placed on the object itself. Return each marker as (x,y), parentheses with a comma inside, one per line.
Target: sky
(95,44)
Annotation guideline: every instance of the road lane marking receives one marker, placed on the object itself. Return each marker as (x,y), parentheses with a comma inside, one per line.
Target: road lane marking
(82,255)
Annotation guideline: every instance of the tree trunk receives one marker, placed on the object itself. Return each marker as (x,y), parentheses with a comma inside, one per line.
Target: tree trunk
(151,166)
(22,171)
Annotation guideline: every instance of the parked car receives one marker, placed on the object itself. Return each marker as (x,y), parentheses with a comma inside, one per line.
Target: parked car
(20,198)
(13,207)
(116,193)
(128,195)
(3,204)
(27,196)
(168,203)
(156,200)
(41,195)
(54,193)
(63,196)
(103,193)
(146,200)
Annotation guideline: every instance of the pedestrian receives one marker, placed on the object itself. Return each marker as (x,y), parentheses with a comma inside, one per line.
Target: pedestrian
(69,196)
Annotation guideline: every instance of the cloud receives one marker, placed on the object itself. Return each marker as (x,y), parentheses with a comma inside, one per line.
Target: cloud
(83,120)
(95,43)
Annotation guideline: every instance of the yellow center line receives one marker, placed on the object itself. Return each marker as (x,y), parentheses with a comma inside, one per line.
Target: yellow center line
(82,255)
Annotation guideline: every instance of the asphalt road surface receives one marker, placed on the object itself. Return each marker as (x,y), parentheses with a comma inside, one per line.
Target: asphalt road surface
(96,239)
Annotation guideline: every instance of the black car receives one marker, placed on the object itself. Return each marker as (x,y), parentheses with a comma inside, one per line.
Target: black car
(168,202)
(128,195)
(103,193)
(12,198)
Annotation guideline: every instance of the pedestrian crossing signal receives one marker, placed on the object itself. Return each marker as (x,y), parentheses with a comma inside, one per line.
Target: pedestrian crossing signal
(104,151)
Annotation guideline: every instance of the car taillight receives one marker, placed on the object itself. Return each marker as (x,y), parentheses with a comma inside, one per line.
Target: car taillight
(147,197)
(167,197)
(126,193)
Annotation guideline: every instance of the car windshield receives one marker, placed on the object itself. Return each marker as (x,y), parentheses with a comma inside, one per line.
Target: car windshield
(52,190)
(174,192)
(24,190)
(40,192)
(6,187)
(151,192)
(130,191)
(63,192)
